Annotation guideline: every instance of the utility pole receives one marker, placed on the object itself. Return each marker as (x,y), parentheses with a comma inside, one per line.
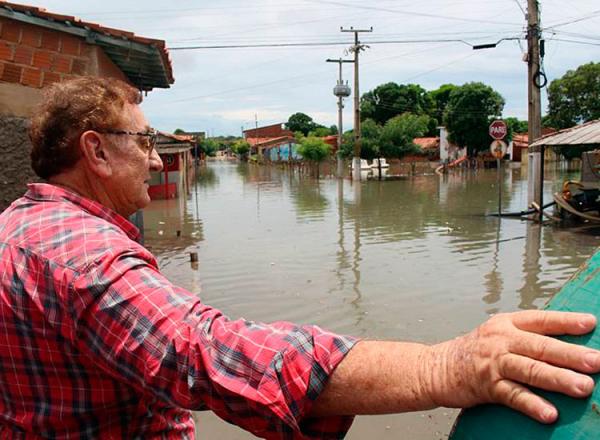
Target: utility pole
(536,157)
(341,90)
(357,139)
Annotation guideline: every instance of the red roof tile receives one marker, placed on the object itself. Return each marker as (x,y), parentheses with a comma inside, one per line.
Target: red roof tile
(77,22)
(427,143)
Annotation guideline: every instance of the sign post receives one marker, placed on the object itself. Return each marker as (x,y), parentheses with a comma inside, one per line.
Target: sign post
(498,131)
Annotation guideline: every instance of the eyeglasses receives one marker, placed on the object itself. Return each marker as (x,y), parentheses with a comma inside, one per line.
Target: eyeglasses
(151,134)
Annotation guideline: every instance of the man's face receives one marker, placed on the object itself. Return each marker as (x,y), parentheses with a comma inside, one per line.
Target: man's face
(128,186)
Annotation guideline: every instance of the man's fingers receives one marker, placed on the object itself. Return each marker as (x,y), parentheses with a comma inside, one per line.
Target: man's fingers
(555,352)
(554,323)
(521,399)
(544,376)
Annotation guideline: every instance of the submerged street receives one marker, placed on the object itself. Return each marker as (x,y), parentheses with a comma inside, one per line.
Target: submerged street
(414,258)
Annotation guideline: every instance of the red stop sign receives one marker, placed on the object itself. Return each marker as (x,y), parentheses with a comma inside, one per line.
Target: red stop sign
(498,129)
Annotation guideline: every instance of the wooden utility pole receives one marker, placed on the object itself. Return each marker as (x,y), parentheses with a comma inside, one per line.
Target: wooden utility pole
(536,157)
(356,49)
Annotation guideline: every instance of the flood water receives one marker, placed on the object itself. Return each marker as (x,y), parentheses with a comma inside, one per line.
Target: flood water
(414,259)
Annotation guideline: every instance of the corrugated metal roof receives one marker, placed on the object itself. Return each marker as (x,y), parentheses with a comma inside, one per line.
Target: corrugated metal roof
(580,135)
(144,61)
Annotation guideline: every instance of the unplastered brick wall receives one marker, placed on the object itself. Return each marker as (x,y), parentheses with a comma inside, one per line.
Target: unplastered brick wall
(15,171)
(35,56)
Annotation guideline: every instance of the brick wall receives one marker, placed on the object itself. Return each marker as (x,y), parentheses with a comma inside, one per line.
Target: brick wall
(34,56)
(270,131)
(16,170)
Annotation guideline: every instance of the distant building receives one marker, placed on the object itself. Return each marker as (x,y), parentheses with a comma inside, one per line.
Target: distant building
(517,148)
(177,175)
(272,142)
(38,48)
(430,146)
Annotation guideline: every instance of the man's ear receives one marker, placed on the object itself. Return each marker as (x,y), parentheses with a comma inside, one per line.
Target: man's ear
(95,153)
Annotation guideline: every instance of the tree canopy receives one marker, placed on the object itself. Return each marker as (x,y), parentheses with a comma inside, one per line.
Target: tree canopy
(391,99)
(302,122)
(575,97)
(399,132)
(314,149)
(241,148)
(208,146)
(440,98)
(394,139)
(468,114)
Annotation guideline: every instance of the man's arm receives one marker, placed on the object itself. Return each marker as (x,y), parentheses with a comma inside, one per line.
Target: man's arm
(490,364)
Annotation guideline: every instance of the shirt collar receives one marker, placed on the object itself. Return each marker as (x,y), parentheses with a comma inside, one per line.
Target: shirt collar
(48,192)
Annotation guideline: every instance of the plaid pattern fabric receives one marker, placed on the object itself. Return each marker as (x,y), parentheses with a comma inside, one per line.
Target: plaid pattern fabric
(96,343)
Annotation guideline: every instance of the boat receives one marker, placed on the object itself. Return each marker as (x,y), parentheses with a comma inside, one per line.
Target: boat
(380,162)
(578,201)
(364,165)
(578,417)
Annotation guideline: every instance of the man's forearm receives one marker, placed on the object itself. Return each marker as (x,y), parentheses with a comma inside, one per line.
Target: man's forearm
(379,377)
(492,364)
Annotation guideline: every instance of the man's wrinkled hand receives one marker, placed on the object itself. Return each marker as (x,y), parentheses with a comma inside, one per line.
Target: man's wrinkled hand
(497,361)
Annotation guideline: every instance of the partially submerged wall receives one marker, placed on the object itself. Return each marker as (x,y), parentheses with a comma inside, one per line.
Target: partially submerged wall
(15,170)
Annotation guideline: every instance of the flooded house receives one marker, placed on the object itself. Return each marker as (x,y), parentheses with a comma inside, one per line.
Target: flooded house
(177,174)
(272,142)
(38,48)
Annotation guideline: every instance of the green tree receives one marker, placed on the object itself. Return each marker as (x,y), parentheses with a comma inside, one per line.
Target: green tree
(515,126)
(440,98)
(370,137)
(241,148)
(208,146)
(301,122)
(575,97)
(391,99)
(399,132)
(468,114)
(315,150)
(320,132)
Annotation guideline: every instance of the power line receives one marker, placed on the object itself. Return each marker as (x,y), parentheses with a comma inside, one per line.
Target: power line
(576,35)
(576,42)
(411,13)
(521,7)
(310,44)
(588,16)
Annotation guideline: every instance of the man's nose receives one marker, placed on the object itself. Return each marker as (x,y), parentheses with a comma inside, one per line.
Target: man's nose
(156,163)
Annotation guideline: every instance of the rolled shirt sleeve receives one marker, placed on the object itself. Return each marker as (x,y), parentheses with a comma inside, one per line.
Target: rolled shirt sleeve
(163,340)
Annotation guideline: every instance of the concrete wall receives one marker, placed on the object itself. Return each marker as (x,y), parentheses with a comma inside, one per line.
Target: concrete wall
(15,171)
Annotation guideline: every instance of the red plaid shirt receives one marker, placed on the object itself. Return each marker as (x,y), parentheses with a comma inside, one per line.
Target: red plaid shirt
(95,342)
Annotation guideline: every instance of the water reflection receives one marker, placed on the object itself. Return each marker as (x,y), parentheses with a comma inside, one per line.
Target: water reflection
(310,203)
(377,257)
(410,258)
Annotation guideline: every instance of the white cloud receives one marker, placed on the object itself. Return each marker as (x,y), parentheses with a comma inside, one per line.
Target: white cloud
(221,88)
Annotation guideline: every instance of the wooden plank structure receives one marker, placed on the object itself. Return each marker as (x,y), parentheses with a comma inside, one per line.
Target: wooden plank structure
(579,419)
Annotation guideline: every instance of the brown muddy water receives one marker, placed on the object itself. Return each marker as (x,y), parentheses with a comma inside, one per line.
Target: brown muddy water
(414,259)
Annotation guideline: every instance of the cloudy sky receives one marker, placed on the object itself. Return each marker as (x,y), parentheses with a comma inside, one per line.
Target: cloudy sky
(221,90)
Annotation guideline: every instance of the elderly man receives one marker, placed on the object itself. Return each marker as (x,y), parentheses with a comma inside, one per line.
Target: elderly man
(97,343)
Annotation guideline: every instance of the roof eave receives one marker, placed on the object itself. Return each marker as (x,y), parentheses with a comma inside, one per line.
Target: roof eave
(149,52)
